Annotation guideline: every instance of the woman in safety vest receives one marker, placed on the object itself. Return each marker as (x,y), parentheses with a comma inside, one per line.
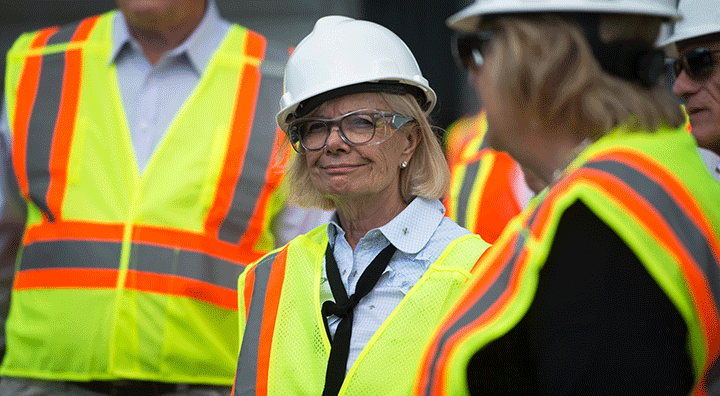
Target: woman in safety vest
(609,282)
(347,308)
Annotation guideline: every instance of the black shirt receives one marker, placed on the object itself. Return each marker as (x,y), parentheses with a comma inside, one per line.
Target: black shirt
(598,325)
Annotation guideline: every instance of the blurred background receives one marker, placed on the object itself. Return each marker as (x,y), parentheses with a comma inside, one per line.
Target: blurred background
(420,23)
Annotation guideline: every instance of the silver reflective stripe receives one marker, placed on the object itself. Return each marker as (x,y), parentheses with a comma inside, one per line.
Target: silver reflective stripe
(683,227)
(478,308)
(252,179)
(246,374)
(471,172)
(185,263)
(43,118)
(70,254)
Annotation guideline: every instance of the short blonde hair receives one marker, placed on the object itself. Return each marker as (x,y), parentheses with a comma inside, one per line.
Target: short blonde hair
(427,174)
(549,73)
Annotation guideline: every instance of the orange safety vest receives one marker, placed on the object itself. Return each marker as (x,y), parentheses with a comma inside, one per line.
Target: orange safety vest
(485,184)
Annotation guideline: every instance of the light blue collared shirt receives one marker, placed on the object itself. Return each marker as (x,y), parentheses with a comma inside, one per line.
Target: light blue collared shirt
(153,95)
(420,233)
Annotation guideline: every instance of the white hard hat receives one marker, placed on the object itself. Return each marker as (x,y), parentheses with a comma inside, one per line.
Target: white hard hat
(342,52)
(700,17)
(469,17)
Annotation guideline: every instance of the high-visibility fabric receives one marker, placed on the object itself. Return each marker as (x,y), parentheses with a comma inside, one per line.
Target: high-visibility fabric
(285,348)
(124,275)
(483,195)
(652,190)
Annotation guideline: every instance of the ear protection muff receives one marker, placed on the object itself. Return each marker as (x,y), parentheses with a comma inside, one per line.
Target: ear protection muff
(631,60)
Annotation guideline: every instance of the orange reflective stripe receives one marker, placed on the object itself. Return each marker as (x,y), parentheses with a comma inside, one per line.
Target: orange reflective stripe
(24,101)
(272,301)
(65,125)
(237,146)
(66,278)
(174,285)
(206,244)
(76,230)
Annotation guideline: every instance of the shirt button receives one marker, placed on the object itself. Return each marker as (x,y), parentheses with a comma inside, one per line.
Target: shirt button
(405,230)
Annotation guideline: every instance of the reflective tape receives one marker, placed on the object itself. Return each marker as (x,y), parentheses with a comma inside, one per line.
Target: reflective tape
(154,269)
(45,143)
(246,375)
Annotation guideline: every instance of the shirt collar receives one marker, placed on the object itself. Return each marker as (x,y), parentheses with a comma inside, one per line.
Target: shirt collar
(195,47)
(410,230)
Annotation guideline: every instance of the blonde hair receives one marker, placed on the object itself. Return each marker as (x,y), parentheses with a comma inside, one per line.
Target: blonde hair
(427,174)
(550,74)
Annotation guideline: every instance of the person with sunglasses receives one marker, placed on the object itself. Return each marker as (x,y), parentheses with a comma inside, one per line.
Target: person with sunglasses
(697,74)
(346,308)
(609,282)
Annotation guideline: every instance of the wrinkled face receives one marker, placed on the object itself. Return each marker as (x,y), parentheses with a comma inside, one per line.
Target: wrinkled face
(160,14)
(702,97)
(341,170)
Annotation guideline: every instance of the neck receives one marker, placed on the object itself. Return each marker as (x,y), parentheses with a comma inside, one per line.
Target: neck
(156,40)
(559,153)
(358,216)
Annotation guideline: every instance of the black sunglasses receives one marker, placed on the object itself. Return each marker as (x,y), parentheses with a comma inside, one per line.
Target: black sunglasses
(468,48)
(698,64)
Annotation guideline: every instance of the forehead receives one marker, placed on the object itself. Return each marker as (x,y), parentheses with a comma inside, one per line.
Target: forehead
(349,103)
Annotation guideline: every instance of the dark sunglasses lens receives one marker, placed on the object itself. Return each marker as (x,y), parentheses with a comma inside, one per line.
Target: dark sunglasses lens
(463,50)
(699,63)
(469,49)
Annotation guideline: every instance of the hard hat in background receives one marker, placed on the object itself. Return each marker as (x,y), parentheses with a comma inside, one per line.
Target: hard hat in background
(342,52)
(468,18)
(700,17)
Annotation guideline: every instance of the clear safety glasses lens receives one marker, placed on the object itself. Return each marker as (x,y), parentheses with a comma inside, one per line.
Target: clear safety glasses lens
(358,128)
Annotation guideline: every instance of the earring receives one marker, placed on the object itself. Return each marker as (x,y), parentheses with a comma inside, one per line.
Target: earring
(403,164)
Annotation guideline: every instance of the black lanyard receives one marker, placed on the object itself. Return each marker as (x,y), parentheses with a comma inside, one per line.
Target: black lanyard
(343,307)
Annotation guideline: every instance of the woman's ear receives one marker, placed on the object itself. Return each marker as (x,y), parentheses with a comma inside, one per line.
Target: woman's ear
(412,137)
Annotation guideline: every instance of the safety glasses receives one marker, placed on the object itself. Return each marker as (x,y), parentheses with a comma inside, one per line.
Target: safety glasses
(358,128)
(698,64)
(469,49)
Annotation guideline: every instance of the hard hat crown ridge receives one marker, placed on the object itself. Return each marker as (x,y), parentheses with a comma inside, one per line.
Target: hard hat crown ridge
(342,52)
(468,18)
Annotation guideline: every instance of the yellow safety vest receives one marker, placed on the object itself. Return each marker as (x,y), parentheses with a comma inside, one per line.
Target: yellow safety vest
(285,347)
(653,190)
(123,275)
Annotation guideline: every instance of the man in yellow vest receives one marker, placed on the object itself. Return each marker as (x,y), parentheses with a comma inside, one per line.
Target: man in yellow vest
(139,156)
(697,74)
